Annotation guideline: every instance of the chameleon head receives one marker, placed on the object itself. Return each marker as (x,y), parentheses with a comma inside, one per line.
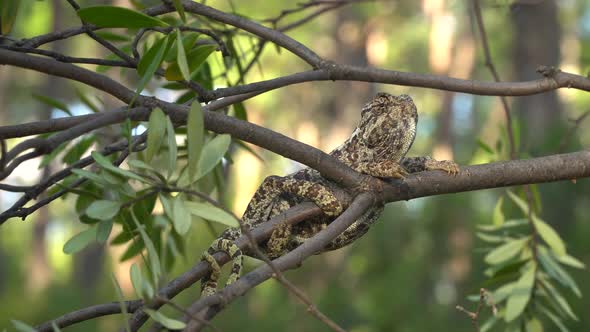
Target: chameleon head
(388,125)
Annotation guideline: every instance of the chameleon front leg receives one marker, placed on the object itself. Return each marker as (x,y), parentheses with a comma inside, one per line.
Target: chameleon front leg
(420,164)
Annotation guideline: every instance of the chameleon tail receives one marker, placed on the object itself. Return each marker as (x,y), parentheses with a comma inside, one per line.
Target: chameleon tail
(209,282)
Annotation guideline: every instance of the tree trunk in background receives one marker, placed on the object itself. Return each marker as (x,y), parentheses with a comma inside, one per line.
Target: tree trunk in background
(536,42)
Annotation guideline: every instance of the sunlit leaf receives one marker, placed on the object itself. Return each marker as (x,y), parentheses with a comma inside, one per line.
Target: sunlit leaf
(505,251)
(549,235)
(103,209)
(556,271)
(169,323)
(156,132)
(195,133)
(210,212)
(90,176)
(507,224)
(534,325)
(521,294)
(571,261)
(118,17)
(212,153)
(80,241)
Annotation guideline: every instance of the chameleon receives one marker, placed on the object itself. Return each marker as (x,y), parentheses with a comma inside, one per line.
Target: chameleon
(376,147)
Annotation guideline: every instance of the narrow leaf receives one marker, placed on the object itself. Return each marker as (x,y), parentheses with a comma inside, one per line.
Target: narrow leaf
(182,217)
(571,261)
(122,303)
(195,132)
(212,153)
(118,17)
(103,209)
(103,230)
(22,327)
(498,216)
(213,213)
(521,294)
(151,249)
(106,164)
(151,62)
(75,153)
(172,147)
(549,235)
(181,57)
(196,57)
(180,9)
(505,251)
(136,279)
(168,323)
(524,207)
(53,103)
(156,131)
(80,241)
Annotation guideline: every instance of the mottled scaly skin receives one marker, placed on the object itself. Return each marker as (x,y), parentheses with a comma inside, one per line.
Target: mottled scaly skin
(377,147)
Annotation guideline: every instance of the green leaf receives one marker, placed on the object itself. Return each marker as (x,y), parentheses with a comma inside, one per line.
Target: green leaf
(524,207)
(556,320)
(22,327)
(103,209)
(90,176)
(557,299)
(133,250)
(53,103)
(121,299)
(80,241)
(240,111)
(505,251)
(55,327)
(151,61)
(555,270)
(75,153)
(156,131)
(103,230)
(571,261)
(111,36)
(86,101)
(167,205)
(182,217)
(521,294)
(8,11)
(151,249)
(498,215)
(484,146)
(490,238)
(105,163)
(137,279)
(210,212)
(549,235)
(196,57)
(212,153)
(49,157)
(181,57)
(195,133)
(118,17)
(180,9)
(533,325)
(169,323)
(506,225)
(502,293)
(172,147)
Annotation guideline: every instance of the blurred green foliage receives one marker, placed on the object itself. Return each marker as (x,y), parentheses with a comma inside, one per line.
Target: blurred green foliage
(415,265)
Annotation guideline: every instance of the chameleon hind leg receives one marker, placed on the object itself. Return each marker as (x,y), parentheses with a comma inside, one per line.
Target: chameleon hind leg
(209,282)
(269,191)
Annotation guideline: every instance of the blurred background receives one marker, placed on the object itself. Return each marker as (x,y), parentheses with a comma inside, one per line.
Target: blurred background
(422,258)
